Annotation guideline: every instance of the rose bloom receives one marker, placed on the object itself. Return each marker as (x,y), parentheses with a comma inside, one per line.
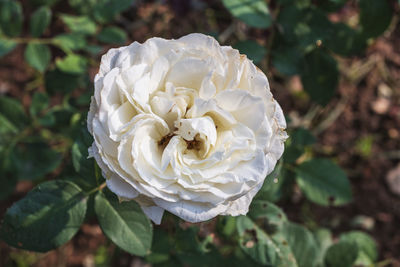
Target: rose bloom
(186,126)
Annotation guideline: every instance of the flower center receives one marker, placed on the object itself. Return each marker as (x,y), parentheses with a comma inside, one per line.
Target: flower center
(199,134)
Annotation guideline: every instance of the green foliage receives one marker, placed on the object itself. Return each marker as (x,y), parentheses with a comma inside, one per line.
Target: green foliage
(124,224)
(272,250)
(31,165)
(320,76)
(112,35)
(11,17)
(367,250)
(46,218)
(351,42)
(72,64)
(6,46)
(364,145)
(274,216)
(342,254)
(40,20)
(302,243)
(252,49)
(299,139)
(61,82)
(13,111)
(323,182)
(70,41)
(277,185)
(106,10)
(48,3)
(255,13)
(286,59)
(331,5)
(79,24)
(38,56)
(375,17)
(7,178)
(323,237)
(40,101)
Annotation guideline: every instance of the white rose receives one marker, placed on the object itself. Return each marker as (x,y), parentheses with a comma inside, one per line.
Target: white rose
(184,125)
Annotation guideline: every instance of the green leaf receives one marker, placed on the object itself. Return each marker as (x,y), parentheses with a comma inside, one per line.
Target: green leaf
(70,41)
(125,224)
(351,41)
(342,254)
(48,119)
(302,137)
(331,5)
(83,165)
(107,10)
(226,225)
(323,182)
(297,3)
(302,244)
(33,160)
(295,146)
(40,101)
(304,27)
(255,13)
(94,49)
(323,237)
(6,46)
(320,76)
(263,248)
(38,56)
(46,218)
(292,20)
(286,59)
(375,17)
(160,248)
(277,185)
(84,6)
(252,49)
(44,2)
(58,81)
(8,183)
(292,152)
(7,127)
(190,251)
(8,179)
(11,17)
(367,250)
(40,20)
(13,111)
(79,24)
(112,35)
(72,63)
(273,216)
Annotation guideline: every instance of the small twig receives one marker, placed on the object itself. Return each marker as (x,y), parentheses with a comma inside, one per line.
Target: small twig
(331,117)
(311,114)
(94,190)
(358,71)
(23,40)
(224,36)
(271,38)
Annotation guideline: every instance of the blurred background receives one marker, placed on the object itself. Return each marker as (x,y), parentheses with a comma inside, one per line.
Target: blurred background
(333,65)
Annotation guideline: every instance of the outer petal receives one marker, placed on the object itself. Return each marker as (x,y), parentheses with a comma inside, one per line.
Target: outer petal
(121,188)
(154,213)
